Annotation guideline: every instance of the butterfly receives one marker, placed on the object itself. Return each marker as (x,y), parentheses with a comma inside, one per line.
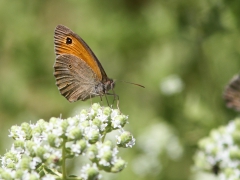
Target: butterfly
(78,72)
(232,93)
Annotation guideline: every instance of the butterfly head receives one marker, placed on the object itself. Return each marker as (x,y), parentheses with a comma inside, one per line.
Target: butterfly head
(109,85)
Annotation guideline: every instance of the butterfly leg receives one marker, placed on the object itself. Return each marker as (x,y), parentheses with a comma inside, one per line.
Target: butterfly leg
(91,100)
(101,100)
(107,100)
(115,97)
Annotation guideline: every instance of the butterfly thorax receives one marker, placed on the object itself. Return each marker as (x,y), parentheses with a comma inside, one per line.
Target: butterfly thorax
(103,87)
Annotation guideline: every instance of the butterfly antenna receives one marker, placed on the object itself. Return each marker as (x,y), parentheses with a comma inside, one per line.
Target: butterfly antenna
(133,84)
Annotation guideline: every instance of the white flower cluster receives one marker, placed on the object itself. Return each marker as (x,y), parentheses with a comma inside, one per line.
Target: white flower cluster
(39,150)
(220,152)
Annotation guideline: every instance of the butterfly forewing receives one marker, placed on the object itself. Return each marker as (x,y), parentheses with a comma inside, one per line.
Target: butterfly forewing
(67,42)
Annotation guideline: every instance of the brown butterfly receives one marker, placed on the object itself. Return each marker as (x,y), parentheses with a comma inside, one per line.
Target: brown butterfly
(232,93)
(79,74)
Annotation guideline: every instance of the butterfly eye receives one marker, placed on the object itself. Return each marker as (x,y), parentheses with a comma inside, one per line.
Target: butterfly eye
(68,40)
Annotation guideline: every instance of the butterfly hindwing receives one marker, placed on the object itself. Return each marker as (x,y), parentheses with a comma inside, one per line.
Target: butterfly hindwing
(73,84)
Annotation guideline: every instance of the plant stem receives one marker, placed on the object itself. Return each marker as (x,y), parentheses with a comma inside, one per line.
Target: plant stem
(104,135)
(64,175)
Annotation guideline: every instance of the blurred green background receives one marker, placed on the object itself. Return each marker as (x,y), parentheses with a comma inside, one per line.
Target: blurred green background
(184,52)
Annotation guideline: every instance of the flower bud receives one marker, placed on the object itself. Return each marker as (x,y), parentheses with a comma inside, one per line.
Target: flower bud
(106,158)
(93,136)
(82,145)
(5,175)
(64,125)
(27,130)
(119,121)
(108,143)
(25,163)
(96,106)
(75,134)
(118,166)
(78,147)
(54,141)
(125,140)
(92,173)
(40,151)
(30,148)
(12,156)
(41,123)
(53,120)
(97,122)
(18,174)
(14,132)
(19,145)
(115,113)
(36,130)
(83,115)
(11,165)
(72,121)
(92,152)
(107,111)
(85,124)
(9,161)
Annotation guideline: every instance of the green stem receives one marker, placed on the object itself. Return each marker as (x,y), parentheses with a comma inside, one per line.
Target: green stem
(104,135)
(64,174)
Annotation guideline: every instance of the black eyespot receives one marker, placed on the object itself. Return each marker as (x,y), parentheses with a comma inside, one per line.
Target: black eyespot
(70,66)
(68,40)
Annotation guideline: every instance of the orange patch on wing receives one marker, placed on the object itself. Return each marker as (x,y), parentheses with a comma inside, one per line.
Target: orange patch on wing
(77,49)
